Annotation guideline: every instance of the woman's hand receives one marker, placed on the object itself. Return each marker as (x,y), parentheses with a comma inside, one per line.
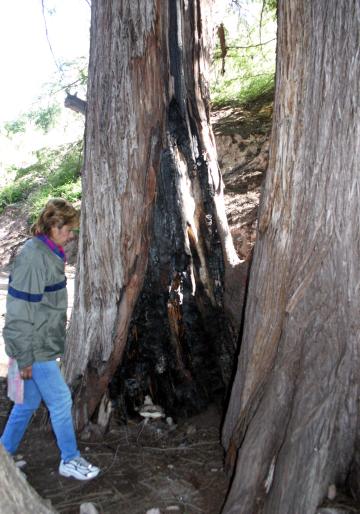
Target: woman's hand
(26,373)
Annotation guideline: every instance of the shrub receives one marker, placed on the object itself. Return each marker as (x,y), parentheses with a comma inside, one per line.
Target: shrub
(246,71)
(56,172)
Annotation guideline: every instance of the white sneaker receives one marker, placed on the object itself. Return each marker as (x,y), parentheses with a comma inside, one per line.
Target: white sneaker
(78,468)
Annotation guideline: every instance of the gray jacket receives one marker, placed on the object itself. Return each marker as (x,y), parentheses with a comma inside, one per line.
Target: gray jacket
(35,325)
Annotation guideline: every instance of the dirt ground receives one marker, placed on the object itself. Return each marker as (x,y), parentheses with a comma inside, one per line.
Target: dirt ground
(176,469)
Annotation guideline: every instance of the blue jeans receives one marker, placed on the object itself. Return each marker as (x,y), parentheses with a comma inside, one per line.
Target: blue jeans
(47,384)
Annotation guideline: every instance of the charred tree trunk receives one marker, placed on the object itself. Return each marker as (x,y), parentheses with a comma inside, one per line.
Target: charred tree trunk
(17,496)
(154,233)
(292,421)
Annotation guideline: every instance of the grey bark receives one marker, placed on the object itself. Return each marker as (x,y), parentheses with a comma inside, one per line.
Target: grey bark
(292,421)
(17,496)
(147,120)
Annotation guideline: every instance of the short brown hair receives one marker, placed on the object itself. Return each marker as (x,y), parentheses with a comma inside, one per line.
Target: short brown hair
(57,212)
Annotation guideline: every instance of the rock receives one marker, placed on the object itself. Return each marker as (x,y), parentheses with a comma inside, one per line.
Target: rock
(191,430)
(88,508)
(153,511)
(85,434)
(170,422)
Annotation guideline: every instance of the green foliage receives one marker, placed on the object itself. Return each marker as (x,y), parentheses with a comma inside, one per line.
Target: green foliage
(45,118)
(69,190)
(46,114)
(56,172)
(271,5)
(244,66)
(15,127)
(239,91)
(14,192)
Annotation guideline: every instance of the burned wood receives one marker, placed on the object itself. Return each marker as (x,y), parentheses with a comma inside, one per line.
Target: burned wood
(148,179)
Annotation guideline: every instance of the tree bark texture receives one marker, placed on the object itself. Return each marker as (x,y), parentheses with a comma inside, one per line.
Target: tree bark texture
(152,208)
(17,496)
(292,421)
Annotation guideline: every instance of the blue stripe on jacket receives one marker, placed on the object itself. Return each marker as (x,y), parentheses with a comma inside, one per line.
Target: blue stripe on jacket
(56,287)
(24,296)
(30,297)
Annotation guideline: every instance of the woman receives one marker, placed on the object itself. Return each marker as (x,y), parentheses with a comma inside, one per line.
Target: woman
(34,334)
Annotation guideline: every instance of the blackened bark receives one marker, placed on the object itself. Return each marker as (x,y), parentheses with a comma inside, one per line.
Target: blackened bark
(180,347)
(154,232)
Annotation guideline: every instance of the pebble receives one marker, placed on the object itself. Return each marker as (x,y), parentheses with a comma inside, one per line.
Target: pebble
(169,421)
(331,492)
(153,511)
(85,434)
(191,430)
(88,508)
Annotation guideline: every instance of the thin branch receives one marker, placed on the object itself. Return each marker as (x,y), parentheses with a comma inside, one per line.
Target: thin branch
(253,46)
(48,39)
(88,2)
(67,86)
(261,18)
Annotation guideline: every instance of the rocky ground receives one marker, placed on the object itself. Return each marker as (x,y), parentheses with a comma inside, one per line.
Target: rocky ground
(174,467)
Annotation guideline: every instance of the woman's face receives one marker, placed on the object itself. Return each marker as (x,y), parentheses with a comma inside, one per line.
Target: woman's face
(62,235)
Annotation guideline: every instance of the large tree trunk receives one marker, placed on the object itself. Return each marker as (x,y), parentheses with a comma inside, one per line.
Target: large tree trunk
(292,420)
(17,496)
(153,217)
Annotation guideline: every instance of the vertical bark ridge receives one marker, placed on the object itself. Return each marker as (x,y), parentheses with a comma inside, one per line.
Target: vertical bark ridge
(119,184)
(301,318)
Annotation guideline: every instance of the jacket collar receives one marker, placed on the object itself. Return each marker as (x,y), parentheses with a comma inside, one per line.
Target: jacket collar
(56,249)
